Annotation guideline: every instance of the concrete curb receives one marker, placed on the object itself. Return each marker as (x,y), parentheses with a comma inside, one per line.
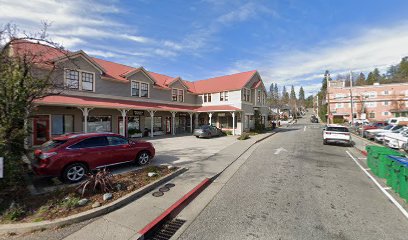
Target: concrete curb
(28,227)
(186,199)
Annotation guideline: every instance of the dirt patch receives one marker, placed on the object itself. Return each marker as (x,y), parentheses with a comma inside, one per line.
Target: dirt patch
(22,207)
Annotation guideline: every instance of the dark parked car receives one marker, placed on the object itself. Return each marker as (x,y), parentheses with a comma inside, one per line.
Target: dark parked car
(207,131)
(314,119)
(71,156)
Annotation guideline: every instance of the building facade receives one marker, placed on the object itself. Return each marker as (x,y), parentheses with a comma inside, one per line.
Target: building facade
(99,95)
(376,102)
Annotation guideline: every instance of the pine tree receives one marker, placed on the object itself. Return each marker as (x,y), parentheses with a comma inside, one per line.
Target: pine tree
(361,80)
(271,90)
(285,95)
(292,93)
(301,96)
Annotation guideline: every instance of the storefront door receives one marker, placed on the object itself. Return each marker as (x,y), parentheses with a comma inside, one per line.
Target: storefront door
(182,124)
(168,125)
(41,129)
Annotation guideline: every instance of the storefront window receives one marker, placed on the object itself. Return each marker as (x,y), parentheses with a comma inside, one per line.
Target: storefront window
(100,124)
(61,124)
(134,123)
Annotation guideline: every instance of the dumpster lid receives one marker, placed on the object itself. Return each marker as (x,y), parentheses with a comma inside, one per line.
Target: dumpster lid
(402,160)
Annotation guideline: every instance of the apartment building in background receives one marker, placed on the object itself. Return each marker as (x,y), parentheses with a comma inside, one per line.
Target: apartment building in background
(103,96)
(373,102)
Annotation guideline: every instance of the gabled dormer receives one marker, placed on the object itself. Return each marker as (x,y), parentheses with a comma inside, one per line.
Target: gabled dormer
(141,82)
(80,71)
(178,89)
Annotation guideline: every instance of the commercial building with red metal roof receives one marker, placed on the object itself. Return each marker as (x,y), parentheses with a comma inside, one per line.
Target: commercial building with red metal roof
(100,95)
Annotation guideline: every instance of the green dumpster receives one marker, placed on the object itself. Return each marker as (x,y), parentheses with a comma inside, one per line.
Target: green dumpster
(378,161)
(394,178)
(399,176)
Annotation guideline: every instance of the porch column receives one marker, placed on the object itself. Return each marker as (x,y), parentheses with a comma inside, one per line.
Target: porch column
(196,119)
(242,122)
(151,112)
(173,123)
(85,113)
(123,112)
(210,115)
(191,122)
(233,123)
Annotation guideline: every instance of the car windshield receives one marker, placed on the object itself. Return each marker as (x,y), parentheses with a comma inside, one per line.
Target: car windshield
(395,128)
(203,127)
(52,144)
(337,129)
(388,127)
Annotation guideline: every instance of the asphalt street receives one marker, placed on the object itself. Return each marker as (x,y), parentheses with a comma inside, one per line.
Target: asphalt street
(304,190)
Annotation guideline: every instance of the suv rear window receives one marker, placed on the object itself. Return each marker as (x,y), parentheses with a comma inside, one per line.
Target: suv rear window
(337,129)
(91,142)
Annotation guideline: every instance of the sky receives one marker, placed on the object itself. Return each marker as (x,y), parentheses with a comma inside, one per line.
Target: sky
(290,42)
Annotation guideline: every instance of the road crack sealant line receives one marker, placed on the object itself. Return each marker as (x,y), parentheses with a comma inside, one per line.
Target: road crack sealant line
(176,208)
(383,189)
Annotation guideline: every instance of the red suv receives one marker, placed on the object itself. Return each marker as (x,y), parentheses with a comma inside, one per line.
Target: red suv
(71,156)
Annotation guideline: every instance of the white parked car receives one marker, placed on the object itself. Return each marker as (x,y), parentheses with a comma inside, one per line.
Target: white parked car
(379,136)
(334,133)
(396,140)
(370,134)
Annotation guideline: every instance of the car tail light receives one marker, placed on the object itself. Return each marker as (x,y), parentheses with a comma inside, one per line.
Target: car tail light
(328,133)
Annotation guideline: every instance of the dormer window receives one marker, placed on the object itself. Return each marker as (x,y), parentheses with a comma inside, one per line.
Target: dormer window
(80,80)
(139,89)
(207,97)
(72,79)
(177,95)
(246,95)
(181,95)
(223,96)
(87,81)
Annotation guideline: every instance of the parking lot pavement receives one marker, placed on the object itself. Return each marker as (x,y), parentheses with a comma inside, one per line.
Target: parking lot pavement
(185,150)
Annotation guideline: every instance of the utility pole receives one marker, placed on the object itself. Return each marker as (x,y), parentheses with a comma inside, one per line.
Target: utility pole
(351,97)
(328,98)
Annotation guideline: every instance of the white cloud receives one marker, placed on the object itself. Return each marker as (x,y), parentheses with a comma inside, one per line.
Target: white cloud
(243,13)
(99,53)
(138,39)
(379,47)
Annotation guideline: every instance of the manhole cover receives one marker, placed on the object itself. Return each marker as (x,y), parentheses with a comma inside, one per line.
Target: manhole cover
(170,185)
(164,189)
(158,194)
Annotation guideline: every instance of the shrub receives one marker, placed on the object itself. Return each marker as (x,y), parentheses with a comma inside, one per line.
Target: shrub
(69,203)
(227,132)
(244,136)
(99,181)
(13,213)
(133,131)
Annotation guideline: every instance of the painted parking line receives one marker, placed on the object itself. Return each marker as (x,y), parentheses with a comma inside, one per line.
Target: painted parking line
(304,129)
(391,198)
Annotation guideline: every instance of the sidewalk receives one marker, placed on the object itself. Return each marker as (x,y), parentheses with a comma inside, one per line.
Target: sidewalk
(125,223)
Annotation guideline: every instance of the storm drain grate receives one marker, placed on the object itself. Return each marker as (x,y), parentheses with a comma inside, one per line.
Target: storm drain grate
(168,229)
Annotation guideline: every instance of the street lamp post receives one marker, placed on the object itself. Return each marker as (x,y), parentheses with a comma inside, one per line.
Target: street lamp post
(328,98)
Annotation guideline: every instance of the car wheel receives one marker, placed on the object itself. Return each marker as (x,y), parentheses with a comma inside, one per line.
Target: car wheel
(324,142)
(143,158)
(74,172)
(197,136)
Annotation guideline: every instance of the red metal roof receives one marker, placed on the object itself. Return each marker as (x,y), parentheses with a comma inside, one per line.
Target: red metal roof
(77,101)
(117,71)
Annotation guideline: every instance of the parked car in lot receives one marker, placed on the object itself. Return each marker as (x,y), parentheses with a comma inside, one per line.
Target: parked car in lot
(337,134)
(373,125)
(370,134)
(379,137)
(71,156)
(396,139)
(314,119)
(397,120)
(360,121)
(207,131)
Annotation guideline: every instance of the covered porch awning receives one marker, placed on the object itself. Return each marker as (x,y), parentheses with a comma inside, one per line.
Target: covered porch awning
(90,102)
